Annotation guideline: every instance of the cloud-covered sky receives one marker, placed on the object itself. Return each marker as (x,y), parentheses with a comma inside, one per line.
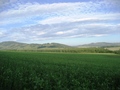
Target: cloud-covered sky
(71,22)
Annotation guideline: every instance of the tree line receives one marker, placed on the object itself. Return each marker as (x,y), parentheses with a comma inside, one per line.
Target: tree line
(72,50)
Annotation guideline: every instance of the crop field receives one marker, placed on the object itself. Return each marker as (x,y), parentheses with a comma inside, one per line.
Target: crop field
(113,48)
(59,71)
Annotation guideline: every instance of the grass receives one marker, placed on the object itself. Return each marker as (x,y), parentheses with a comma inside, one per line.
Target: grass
(59,71)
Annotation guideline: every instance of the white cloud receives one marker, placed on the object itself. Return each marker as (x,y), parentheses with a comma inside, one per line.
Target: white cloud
(81,18)
(52,12)
(30,9)
(64,32)
(59,20)
(37,31)
(6,2)
(3,2)
(70,30)
(1,33)
(11,21)
(115,3)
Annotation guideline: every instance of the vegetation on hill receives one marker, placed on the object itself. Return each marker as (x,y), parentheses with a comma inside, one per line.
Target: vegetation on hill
(117,51)
(100,44)
(56,47)
(10,45)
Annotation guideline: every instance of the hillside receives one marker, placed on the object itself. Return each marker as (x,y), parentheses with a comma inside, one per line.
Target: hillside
(11,45)
(100,44)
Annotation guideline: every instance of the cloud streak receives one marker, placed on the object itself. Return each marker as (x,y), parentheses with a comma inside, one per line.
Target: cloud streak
(57,31)
(47,11)
(34,21)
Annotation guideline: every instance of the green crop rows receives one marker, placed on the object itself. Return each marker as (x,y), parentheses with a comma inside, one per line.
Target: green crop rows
(59,71)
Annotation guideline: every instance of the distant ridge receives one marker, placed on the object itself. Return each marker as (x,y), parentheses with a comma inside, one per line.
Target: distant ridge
(100,44)
(12,45)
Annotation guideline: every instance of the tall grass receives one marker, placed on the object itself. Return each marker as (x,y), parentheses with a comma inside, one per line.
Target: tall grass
(59,71)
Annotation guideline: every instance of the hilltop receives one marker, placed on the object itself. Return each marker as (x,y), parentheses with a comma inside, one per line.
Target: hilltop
(100,44)
(12,45)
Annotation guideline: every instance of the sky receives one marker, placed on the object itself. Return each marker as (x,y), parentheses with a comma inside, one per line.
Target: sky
(71,22)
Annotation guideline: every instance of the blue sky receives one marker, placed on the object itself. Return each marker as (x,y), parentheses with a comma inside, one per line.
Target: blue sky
(70,22)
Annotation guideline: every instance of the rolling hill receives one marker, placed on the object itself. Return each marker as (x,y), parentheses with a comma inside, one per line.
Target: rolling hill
(99,44)
(11,45)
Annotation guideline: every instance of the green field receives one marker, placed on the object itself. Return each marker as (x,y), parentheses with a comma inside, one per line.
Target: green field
(59,71)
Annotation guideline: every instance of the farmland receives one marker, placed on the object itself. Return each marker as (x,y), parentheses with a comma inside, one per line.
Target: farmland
(59,71)
(113,48)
